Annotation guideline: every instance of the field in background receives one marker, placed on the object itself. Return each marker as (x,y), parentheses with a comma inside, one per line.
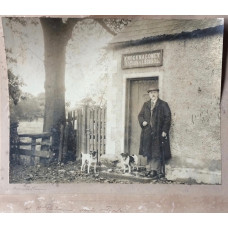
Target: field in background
(26,127)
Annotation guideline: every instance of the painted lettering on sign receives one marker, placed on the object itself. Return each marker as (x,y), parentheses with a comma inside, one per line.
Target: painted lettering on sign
(143,59)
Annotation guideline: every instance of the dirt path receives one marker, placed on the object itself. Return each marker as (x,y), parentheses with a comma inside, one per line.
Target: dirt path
(71,173)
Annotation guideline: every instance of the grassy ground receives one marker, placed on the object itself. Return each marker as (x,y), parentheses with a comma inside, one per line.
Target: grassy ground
(26,127)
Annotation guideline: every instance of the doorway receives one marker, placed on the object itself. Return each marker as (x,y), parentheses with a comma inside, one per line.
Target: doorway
(136,95)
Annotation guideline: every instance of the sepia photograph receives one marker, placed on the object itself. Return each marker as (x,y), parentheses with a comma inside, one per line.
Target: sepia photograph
(114,100)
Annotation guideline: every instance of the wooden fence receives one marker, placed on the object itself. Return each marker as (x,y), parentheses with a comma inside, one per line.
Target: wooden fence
(84,132)
(27,144)
(90,125)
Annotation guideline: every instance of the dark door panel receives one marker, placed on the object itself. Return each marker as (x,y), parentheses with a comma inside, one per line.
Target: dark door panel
(137,96)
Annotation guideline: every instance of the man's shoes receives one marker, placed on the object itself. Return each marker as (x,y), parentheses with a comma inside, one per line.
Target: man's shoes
(147,174)
(161,175)
(153,175)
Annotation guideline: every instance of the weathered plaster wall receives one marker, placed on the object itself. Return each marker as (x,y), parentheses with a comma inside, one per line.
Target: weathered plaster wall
(189,81)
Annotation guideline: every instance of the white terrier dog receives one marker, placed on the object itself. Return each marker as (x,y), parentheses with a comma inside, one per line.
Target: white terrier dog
(129,160)
(89,159)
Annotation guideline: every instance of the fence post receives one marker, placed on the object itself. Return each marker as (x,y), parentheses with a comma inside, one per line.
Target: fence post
(65,141)
(103,130)
(33,149)
(92,129)
(88,126)
(99,134)
(78,132)
(105,121)
(74,119)
(44,147)
(18,149)
(50,147)
(61,143)
(95,128)
(83,132)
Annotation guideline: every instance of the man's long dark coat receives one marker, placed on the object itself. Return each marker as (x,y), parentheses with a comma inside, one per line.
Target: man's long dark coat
(151,137)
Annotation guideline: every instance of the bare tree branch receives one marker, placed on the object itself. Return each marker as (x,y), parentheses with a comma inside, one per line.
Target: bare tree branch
(112,26)
(68,27)
(104,25)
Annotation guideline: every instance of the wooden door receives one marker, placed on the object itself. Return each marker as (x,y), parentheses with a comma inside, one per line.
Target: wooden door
(137,95)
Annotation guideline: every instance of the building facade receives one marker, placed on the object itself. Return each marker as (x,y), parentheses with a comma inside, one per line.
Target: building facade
(184,59)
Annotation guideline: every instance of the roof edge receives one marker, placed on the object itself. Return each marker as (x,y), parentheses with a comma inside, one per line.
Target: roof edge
(198,33)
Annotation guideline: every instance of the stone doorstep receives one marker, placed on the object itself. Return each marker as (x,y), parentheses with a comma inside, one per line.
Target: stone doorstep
(145,180)
(124,176)
(194,176)
(134,176)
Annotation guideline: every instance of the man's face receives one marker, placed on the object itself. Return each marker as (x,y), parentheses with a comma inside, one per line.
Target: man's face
(153,95)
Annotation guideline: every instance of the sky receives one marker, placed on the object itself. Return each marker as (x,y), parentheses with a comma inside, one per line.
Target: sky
(83,54)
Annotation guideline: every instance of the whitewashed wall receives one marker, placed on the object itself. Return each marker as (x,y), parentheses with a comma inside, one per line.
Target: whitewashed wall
(189,81)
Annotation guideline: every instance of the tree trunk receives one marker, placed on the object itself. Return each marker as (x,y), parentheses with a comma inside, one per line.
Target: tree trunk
(56,35)
(55,48)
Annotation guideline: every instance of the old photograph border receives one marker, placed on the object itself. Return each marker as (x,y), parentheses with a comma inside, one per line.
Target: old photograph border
(112,197)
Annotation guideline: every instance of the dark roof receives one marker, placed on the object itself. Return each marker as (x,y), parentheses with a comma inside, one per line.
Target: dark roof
(139,29)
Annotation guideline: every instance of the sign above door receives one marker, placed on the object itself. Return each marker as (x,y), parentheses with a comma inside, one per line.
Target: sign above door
(142,59)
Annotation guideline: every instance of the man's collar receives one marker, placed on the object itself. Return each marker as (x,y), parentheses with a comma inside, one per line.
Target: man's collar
(154,101)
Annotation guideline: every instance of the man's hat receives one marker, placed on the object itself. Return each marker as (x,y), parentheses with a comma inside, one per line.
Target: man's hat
(153,88)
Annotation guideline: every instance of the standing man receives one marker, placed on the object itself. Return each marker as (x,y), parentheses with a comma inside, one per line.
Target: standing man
(155,120)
